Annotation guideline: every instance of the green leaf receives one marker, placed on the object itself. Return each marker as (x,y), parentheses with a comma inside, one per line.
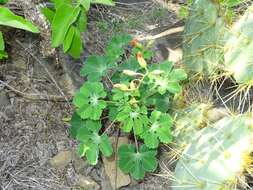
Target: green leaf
(158,101)
(76,123)
(1,42)
(132,118)
(178,74)
(104,2)
(8,18)
(85,4)
(89,101)
(76,45)
(233,3)
(166,79)
(95,67)
(3,55)
(115,47)
(69,39)
(92,142)
(92,154)
(82,21)
(48,13)
(183,12)
(165,66)
(130,64)
(159,129)
(59,3)
(174,87)
(137,163)
(105,146)
(3,1)
(65,16)
(82,149)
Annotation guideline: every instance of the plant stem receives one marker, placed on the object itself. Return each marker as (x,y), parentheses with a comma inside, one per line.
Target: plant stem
(111,124)
(136,143)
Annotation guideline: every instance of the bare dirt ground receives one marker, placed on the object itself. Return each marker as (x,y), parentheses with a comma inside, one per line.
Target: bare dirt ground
(32,127)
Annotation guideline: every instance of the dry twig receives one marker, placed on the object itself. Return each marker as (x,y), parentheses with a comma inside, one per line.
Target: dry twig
(41,97)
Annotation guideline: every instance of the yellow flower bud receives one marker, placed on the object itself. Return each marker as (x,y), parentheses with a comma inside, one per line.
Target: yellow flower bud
(130,73)
(122,87)
(141,60)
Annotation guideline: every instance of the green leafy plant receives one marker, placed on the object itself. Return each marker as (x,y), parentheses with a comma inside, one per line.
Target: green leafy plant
(68,20)
(9,19)
(134,95)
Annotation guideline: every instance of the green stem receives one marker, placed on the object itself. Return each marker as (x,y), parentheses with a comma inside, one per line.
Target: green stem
(136,143)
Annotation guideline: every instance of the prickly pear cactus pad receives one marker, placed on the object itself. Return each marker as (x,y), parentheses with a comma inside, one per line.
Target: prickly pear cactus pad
(203,37)
(217,156)
(188,122)
(239,49)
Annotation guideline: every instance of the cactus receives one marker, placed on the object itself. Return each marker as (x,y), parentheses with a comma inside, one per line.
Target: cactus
(188,122)
(204,38)
(238,49)
(217,156)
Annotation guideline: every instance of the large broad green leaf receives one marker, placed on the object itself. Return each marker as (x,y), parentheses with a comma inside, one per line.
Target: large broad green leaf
(3,54)
(1,41)
(76,45)
(89,101)
(3,1)
(92,142)
(159,129)
(95,67)
(69,39)
(48,13)
(85,4)
(81,22)
(8,18)
(65,16)
(58,3)
(137,163)
(104,2)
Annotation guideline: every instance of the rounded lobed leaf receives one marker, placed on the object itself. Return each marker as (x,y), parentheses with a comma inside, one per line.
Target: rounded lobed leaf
(89,100)
(137,163)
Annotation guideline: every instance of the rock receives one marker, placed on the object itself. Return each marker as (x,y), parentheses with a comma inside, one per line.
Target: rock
(81,166)
(175,55)
(111,168)
(62,159)
(87,183)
